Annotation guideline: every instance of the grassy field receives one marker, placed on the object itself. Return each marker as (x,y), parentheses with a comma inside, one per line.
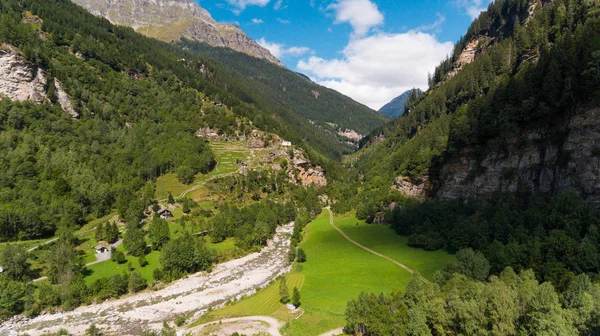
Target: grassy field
(109,268)
(335,272)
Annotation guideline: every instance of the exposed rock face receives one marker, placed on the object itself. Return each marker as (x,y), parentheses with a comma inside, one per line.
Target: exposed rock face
(168,20)
(467,56)
(65,100)
(533,161)
(19,80)
(351,134)
(418,189)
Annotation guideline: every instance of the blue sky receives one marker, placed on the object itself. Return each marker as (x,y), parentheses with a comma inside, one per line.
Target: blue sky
(370,50)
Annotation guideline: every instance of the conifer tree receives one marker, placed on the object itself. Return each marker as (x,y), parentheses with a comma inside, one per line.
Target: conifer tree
(284,293)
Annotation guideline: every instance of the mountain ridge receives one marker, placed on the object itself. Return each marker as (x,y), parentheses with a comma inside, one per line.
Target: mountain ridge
(168,20)
(395,107)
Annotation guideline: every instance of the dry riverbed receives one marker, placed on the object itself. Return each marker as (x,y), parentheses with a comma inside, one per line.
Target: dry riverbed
(193,295)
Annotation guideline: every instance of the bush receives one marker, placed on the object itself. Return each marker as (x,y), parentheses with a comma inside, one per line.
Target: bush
(301,256)
(118,257)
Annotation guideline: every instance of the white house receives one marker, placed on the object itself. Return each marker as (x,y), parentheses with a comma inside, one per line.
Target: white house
(286,144)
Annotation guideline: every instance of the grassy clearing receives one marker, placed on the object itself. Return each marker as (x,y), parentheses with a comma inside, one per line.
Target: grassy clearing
(227,244)
(335,272)
(110,268)
(226,154)
(384,240)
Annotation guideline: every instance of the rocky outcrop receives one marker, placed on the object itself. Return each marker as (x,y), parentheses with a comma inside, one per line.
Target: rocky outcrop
(351,134)
(168,20)
(538,160)
(416,188)
(64,99)
(20,80)
(467,56)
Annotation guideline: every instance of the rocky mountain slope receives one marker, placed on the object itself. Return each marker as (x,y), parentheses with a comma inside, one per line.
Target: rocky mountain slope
(514,110)
(168,20)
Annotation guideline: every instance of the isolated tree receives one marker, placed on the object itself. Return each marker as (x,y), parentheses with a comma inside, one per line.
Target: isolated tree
(296,297)
(158,232)
(284,293)
(136,282)
(134,241)
(185,174)
(292,254)
(14,261)
(186,206)
(117,256)
(100,232)
(142,261)
(301,255)
(170,199)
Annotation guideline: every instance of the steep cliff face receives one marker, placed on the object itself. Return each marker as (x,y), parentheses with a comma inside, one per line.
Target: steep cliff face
(170,19)
(538,160)
(19,80)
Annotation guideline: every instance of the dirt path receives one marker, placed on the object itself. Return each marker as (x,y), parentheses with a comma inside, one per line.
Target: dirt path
(229,326)
(334,332)
(408,269)
(195,294)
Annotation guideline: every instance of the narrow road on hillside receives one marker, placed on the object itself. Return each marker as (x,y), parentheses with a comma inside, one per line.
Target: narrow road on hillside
(408,269)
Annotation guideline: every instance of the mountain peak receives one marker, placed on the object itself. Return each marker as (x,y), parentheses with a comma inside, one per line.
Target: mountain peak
(168,20)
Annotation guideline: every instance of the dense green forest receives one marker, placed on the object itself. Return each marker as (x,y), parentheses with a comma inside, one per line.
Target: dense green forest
(531,70)
(509,304)
(278,89)
(139,104)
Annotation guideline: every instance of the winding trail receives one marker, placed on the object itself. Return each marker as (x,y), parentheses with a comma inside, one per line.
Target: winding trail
(408,269)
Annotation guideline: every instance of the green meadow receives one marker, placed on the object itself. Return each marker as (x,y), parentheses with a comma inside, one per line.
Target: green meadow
(335,272)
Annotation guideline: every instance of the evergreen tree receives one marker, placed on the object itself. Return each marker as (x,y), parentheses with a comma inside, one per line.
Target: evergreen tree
(284,293)
(136,282)
(301,255)
(170,199)
(158,232)
(296,297)
(100,232)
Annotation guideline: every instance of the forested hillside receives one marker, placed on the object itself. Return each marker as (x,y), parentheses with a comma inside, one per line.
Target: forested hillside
(502,151)
(282,89)
(139,103)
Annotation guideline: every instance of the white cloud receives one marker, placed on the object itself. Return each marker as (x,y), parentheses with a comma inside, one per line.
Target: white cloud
(434,26)
(279,5)
(240,5)
(280,50)
(377,68)
(280,20)
(473,7)
(362,15)
(257,21)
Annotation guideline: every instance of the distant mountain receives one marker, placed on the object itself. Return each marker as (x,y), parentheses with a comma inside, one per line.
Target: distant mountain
(395,107)
(168,20)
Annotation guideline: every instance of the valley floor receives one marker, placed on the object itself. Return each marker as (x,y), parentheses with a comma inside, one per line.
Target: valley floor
(340,264)
(195,294)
